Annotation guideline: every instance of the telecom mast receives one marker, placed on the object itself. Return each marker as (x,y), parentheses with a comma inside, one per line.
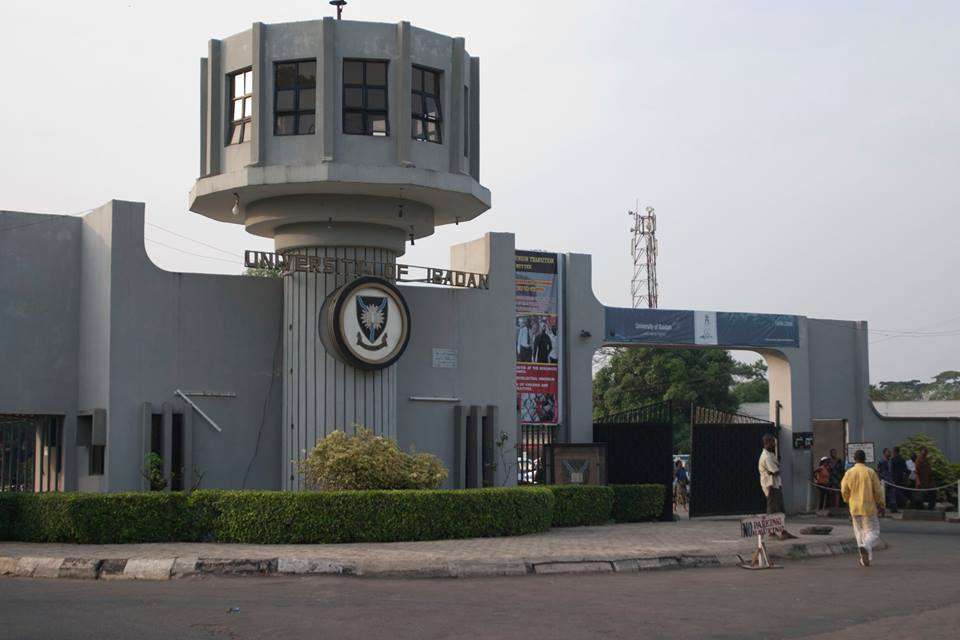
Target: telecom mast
(643,248)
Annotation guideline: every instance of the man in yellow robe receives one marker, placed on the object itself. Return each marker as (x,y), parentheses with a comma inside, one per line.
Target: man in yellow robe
(863,492)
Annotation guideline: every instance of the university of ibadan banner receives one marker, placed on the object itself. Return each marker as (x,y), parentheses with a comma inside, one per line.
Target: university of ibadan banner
(538,347)
(663,326)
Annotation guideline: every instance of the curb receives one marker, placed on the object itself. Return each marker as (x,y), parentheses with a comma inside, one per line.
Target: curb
(181,567)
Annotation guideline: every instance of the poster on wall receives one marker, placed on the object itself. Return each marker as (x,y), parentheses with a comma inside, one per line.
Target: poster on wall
(538,337)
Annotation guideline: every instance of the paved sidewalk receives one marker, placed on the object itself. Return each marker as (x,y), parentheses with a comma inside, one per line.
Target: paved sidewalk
(622,547)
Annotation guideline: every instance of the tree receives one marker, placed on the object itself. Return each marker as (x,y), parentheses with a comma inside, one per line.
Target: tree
(751,383)
(897,390)
(257,272)
(635,376)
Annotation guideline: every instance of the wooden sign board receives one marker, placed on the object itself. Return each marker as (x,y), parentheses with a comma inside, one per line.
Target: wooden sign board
(762,525)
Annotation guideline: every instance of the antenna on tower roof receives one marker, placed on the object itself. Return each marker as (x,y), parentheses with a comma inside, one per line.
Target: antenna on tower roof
(339,4)
(644,249)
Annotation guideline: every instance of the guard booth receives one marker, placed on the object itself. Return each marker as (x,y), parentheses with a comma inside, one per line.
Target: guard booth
(640,448)
(725,448)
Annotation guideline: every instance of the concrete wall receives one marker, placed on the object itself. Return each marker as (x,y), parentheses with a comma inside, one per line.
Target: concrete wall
(478,325)
(90,323)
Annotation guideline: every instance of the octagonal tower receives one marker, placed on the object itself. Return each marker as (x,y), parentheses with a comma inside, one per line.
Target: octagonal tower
(342,140)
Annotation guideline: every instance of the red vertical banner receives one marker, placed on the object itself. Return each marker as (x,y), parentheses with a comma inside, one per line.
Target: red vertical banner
(538,338)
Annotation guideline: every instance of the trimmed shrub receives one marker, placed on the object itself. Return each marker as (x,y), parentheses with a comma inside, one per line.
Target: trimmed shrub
(274,517)
(637,502)
(581,505)
(367,461)
(100,518)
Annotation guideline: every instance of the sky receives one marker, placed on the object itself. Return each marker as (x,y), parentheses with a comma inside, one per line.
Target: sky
(802,157)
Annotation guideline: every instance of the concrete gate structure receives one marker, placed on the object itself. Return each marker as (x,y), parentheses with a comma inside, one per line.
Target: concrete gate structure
(242,368)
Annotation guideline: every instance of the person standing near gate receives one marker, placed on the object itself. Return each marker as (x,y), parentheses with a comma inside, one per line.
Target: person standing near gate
(925,479)
(862,492)
(770,481)
(885,471)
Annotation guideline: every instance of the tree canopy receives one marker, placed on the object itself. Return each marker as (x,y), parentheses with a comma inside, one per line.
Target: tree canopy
(945,386)
(633,377)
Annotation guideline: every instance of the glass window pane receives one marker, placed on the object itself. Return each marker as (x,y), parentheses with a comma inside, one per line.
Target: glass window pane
(286,75)
(307,74)
(247,107)
(377,124)
(416,126)
(428,82)
(237,85)
(247,132)
(433,132)
(285,125)
(237,110)
(417,79)
(353,98)
(416,104)
(308,99)
(248,82)
(307,124)
(352,72)
(285,100)
(432,109)
(353,122)
(376,99)
(235,133)
(377,73)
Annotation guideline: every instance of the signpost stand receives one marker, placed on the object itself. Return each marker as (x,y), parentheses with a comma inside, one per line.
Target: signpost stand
(760,525)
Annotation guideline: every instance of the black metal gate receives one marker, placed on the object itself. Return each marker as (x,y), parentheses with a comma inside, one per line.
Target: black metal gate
(723,463)
(640,448)
(531,461)
(18,442)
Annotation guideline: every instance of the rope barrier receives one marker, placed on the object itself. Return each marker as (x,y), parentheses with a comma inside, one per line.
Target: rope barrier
(945,486)
(820,486)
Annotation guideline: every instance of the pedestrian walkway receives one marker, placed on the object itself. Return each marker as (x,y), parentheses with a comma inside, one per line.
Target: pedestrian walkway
(621,547)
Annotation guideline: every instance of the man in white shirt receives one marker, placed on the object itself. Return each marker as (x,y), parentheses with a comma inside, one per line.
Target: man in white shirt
(524,342)
(770,482)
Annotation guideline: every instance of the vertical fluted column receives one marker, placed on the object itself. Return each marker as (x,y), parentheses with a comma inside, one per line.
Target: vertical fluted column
(321,393)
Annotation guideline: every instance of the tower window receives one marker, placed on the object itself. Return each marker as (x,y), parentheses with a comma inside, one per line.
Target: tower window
(466,121)
(425,105)
(365,98)
(241,105)
(295,98)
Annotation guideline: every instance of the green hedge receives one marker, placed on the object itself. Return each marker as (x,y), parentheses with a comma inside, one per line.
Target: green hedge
(637,502)
(273,517)
(581,505)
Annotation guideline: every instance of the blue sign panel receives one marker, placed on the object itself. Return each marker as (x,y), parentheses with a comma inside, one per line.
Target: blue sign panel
(679,328)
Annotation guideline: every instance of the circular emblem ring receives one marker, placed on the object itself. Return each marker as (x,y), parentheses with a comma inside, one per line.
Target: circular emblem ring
(366,323)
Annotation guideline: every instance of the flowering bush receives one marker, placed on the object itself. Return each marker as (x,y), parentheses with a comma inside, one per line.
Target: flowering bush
(367,461)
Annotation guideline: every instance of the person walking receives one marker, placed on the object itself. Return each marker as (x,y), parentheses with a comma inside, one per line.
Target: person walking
(680,481)
(885,471)
(862,492)
(770,482)
(925,479)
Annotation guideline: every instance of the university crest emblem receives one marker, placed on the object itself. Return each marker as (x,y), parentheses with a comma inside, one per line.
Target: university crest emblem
(372,315)
(365,323)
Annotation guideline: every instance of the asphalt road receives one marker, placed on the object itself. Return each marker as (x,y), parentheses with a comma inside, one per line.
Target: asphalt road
(912,591)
